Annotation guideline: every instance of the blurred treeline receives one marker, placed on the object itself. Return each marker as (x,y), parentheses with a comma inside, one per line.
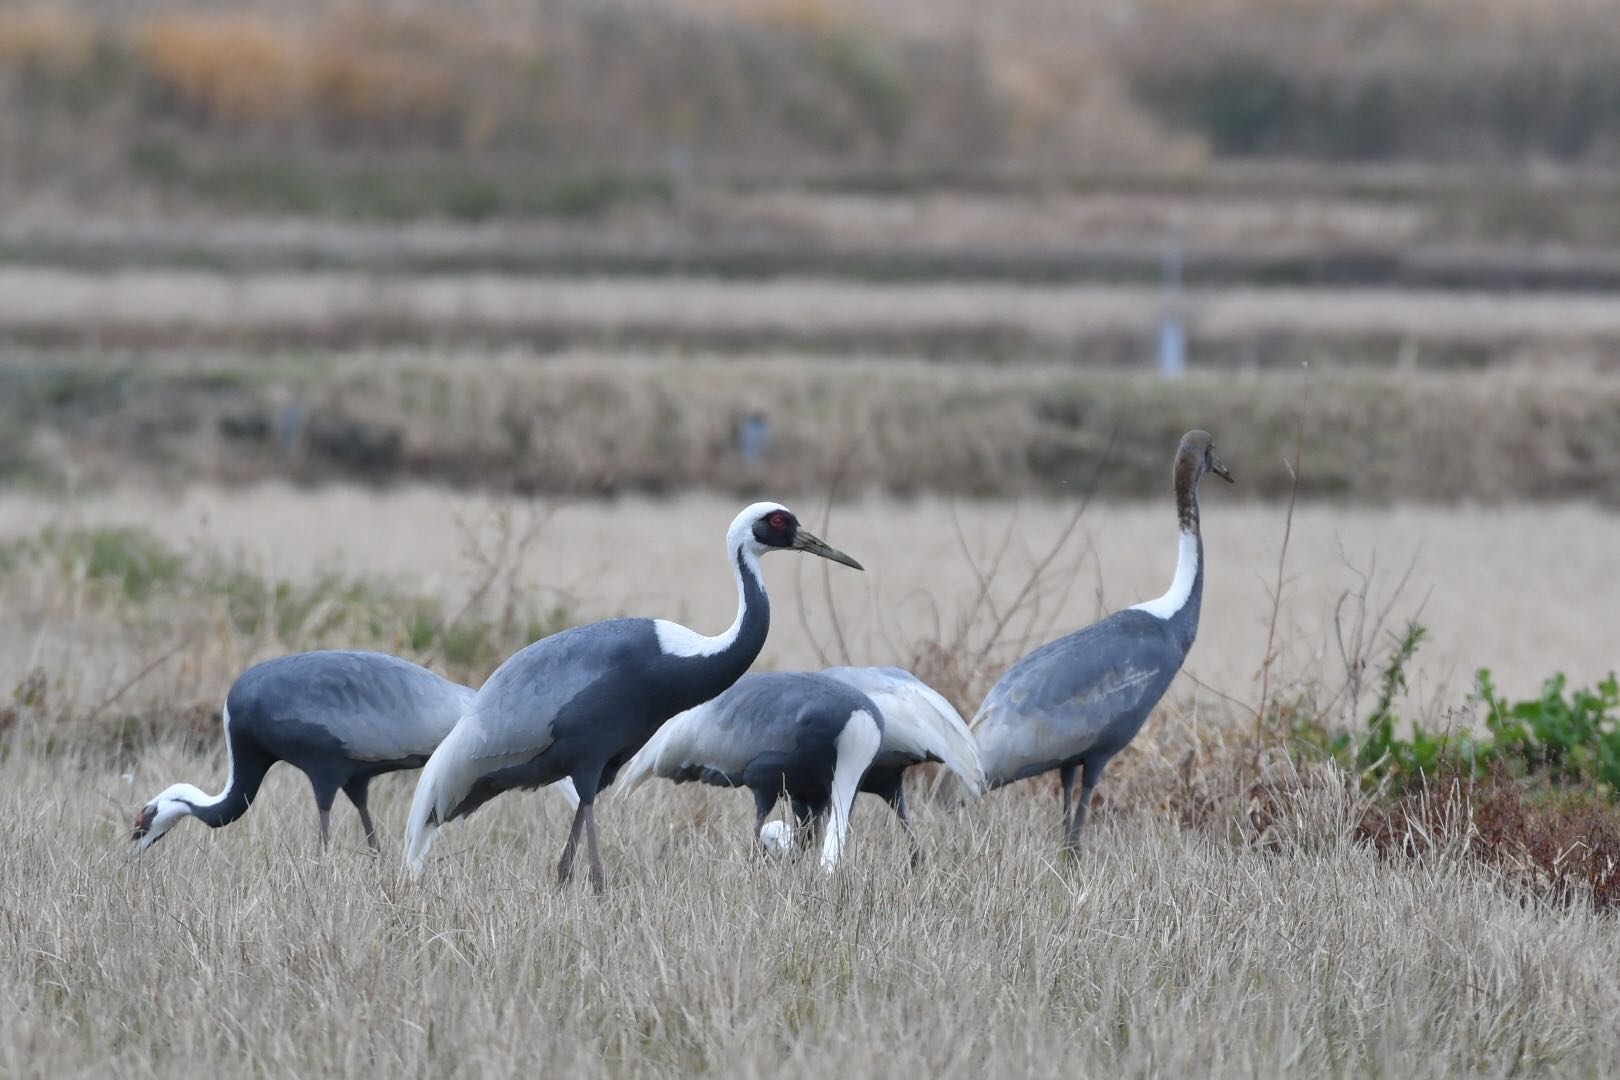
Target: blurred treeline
(560,105)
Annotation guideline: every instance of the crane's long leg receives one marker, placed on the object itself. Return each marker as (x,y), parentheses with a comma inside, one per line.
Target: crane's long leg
(897,799)
(1066,782)
(764,802)
(565,865)
(598,875)
(356,791)
(1088,785)
(324,797)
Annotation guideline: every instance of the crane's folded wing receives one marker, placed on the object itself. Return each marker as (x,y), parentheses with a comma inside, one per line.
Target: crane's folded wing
(1087,690)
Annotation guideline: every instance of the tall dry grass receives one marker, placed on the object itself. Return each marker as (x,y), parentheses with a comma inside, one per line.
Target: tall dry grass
(1160,948)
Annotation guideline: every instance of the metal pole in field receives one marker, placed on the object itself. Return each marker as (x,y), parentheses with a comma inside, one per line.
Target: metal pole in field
(1172,330)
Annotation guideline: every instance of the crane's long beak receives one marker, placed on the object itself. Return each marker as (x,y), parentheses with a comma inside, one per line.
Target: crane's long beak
(1218,467)
(803,541)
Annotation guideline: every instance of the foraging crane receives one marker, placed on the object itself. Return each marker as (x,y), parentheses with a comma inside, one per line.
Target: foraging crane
(340,717)
(1074,703)
(579,704)
(776,732)
(798,733)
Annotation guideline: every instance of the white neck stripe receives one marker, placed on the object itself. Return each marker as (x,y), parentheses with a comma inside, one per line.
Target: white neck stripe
(1181,585)
(677,640)
(230,763)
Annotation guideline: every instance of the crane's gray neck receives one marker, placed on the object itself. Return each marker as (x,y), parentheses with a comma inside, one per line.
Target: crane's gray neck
(1180,604)
(248,764)
(247,774)
(722,660)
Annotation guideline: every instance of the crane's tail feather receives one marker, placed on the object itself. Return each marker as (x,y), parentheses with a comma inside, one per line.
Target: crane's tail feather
(953,743)
(440,788)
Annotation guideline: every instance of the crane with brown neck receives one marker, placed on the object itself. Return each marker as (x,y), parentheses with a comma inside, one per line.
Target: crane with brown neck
(1074,703)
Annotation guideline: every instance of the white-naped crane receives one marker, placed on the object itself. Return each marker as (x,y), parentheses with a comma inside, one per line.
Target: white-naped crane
(579,704)
(1074,703)
(798,734)
(795,734)
(342,717)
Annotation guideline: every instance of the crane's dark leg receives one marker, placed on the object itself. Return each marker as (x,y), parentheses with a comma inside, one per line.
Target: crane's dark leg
(356,791)
(896,798)
(764,802)
(805,817)
(325,795)
(565,865)
(598,875)
(1066,782)
(1088,785)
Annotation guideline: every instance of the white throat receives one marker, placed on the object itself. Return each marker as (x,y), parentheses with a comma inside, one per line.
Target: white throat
(230,761)
(677,640)
(1181,585)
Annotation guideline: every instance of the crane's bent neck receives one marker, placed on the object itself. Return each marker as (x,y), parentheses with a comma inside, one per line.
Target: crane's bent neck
(1181,602)
(246,773)
(743,639)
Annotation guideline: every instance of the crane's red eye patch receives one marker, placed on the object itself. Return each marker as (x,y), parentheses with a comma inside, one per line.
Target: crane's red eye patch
(778,520)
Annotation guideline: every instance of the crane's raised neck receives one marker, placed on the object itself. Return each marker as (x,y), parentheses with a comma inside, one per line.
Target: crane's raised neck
(1182,600)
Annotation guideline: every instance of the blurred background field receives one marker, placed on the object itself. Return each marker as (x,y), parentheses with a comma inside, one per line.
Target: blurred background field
(435,328)
(379,242)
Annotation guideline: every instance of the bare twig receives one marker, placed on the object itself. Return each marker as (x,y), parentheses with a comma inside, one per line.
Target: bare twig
(112,699)
(1037,574)
(833,484)
(1282,561)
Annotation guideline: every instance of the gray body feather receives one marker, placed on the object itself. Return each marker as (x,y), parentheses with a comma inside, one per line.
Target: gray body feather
(1080,699)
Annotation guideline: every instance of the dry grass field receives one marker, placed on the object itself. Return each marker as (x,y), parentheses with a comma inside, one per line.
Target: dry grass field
(1161,949)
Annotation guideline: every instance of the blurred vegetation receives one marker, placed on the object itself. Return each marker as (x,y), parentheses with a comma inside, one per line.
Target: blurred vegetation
(1561,740)
(143,581)
(600,424)
(573,106)
(1371,80)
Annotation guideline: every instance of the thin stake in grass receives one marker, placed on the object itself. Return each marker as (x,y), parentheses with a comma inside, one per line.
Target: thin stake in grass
(1293,468)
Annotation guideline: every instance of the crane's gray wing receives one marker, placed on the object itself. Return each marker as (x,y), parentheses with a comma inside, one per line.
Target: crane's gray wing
(375,706)
(1089,691)
(513,717)
(918,723)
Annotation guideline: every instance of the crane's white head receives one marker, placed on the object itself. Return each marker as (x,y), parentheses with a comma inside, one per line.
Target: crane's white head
(157,817)
(769,526)
(776,837)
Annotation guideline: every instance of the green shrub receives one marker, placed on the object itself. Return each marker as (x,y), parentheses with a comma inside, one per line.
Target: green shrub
(1569,738)
(1559,740)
